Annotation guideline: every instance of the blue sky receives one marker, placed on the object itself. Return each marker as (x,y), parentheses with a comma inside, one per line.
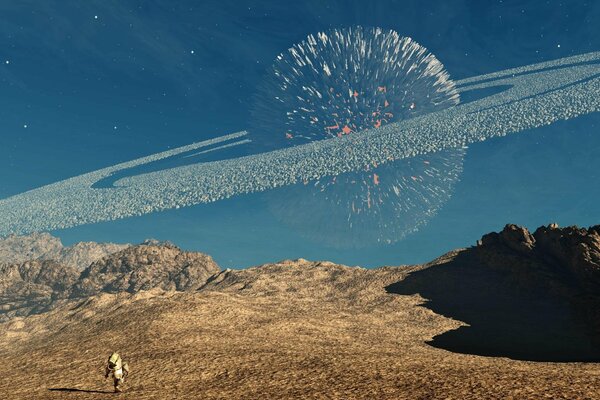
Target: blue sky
(84,85)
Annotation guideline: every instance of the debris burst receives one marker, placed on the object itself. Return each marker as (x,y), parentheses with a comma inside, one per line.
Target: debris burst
(338,83)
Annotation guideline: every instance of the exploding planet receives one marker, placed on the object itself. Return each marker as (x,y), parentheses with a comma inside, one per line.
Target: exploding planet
(501,103)
(334,85)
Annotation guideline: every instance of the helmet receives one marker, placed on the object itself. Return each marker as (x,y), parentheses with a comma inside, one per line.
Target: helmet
(113,360)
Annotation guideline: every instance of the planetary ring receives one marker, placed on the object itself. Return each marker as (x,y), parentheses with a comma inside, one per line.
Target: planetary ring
(534,96)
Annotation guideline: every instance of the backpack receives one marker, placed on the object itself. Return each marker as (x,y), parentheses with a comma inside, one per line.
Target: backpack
(125,369)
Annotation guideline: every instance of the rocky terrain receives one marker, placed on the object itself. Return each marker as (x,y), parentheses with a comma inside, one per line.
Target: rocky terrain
(301,329)
(43,246)
(36,286)
(525,296)
(563,261)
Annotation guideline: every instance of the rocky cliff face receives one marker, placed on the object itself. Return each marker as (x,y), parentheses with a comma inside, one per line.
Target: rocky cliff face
(34,286)
(43,246)
(565,259)
(525,296)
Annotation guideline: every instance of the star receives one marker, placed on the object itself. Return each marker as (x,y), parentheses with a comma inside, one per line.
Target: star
(558,45)
(25,126)
(95,17)
(7,62)
(115,127)
(192,51)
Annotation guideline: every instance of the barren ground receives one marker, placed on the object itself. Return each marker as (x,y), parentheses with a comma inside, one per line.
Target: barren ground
(291,330)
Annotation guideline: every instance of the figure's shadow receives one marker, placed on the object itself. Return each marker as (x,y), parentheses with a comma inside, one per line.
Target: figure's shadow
(80,390)
(506,318)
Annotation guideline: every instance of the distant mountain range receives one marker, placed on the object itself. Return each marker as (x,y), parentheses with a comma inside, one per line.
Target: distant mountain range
(43,246)
(55,272)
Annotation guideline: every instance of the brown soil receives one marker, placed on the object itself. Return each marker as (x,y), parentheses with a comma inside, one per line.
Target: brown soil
(293,330)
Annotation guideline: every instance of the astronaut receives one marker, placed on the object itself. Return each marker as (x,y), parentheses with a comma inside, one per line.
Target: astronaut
(118,369)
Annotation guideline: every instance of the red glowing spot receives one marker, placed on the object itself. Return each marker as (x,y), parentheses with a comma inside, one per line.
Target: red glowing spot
(376,179)
(377,123)
(336,126)
(355,94)
(376,113)
(288,135)
(381,89)
(346,129)
(414,178)
(386,103)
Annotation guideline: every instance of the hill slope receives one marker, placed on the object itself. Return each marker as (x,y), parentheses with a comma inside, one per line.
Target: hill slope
(294,329)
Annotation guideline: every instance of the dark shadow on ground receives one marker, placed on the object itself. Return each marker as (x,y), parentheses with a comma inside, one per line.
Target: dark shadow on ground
(506,318)
(80,390)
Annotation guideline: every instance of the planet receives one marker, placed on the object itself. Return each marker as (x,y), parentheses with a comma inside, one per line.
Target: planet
(497,104)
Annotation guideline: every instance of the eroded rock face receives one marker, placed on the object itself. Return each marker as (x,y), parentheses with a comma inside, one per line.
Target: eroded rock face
(512,236)
(525,296)
(33,286)
(576,249)
(145,267)
(564,257)
(83,254)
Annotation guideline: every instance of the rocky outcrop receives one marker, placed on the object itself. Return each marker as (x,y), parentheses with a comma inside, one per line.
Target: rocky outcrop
(83,254)
(564,259)
(34,286)
(573,248)
(43,246)
(145,267)
(525,296)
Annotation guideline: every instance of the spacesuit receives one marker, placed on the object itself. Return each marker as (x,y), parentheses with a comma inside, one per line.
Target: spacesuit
(118,369)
